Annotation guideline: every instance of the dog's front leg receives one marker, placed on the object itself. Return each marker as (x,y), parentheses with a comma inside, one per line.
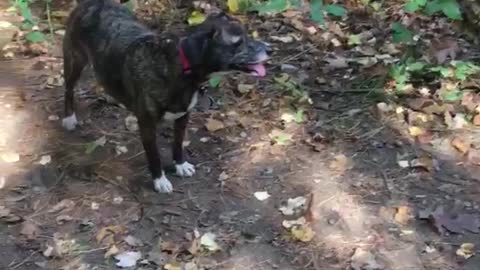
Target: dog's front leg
(182,167)
(149,141)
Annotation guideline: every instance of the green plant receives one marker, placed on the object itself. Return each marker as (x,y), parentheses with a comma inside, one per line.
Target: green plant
(317,8)
(28,23)
(449,8)
(402,73)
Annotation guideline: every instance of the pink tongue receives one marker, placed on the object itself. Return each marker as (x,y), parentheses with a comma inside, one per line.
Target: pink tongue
(259,69)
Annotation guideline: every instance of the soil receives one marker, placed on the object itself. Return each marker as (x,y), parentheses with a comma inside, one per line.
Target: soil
(344,159)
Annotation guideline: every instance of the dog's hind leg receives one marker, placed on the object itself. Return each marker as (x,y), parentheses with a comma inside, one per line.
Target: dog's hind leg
(182,167)
(73,64)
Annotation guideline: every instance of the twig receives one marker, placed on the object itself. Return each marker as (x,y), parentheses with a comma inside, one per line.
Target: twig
(22,262)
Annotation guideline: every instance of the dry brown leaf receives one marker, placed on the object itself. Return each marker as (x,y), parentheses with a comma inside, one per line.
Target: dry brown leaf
(108,233)
(30,230)
(213,125)
(113,250)
(444,48)
(63,204)
(404,215)
(476,120)
(341,163)
(461,145)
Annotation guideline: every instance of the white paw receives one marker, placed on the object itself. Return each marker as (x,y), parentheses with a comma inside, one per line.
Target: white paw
(70,122)
(162,184)
(185,169)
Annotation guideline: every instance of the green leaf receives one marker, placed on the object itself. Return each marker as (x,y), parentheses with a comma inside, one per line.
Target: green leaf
(401,33)
(35,37)
(465,69)
(451,9)
(432,7)
(280,137)
(272,6)
(444,71)
(354,40)
(316,11)
(414,5)
(335,10)
(196,18)
(416,66)
(299,116)
(452,96)
(214,80)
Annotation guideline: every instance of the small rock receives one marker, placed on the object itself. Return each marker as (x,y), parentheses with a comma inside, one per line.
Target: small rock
(364,260)
(288,68)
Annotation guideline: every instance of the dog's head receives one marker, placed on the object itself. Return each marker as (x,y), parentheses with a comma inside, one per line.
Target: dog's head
(226,46)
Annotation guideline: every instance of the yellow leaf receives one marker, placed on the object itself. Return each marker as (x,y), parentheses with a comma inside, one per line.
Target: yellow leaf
(196,18)
(303,233)
(416,131)
(113,250)
(170,266)
(466,250)
(233,6)
(213,125)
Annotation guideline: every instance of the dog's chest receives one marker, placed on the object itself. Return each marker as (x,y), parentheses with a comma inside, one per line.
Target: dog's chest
(171,116)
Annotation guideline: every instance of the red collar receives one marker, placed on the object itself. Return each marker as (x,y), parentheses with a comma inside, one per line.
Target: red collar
(183,59)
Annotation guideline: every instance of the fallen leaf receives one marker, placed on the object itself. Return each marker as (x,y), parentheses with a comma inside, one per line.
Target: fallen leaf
(113,250)
(213,125)
(294,206)
(444,48)
(10,157)
(341,164)
(93,145)
(131,123)
(466,250)
(303,233)
(208,241)
(416,131)
(476,120)
(172,266)
(245,88)
(196,18)
(459,121)
(280,137)
(63,204)
(338,62)
(363,260)
(44,160)
(30,230)
(284,39)
(461,145)
(4,211)
(261,195)
(404,215)
(295,222)
(223,176)
(108,233)
(133,241)
(128,258)
(48,252)
(63,218)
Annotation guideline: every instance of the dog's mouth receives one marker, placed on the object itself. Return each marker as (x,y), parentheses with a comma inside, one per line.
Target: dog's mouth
(257,67)
(252,60)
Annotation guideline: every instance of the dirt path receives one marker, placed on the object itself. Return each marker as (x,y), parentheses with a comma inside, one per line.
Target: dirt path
(65,203)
